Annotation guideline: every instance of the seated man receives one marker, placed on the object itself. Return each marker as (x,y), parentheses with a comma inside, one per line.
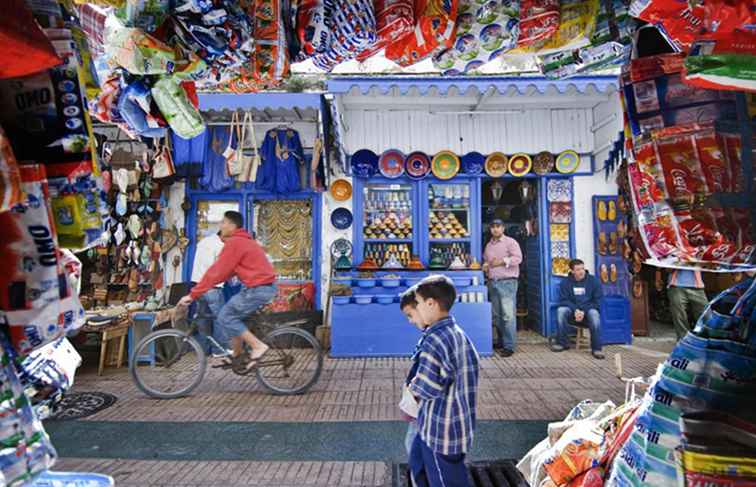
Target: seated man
(244,258)
(579,300)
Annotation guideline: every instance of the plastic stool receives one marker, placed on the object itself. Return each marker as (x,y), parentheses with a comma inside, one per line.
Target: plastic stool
(72,479)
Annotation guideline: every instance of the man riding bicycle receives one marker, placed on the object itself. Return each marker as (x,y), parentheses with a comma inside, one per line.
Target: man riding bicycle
(244,258)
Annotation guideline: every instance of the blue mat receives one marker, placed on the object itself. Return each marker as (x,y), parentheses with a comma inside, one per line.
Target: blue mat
(216,441)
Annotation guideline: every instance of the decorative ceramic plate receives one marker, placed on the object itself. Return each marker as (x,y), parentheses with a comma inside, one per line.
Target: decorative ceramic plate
(473,163)
(520,164)
(567,162)
(497,165)
(341,247)
(418,165)
(560,266)
(341,218)
(543,163)
(445,165)
(559,232)
(341,190)
(391,164)
(560,249)
(364,163)
(559,190)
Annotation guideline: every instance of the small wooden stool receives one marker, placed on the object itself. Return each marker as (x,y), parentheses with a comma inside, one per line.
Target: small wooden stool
(109,334)
(582,337)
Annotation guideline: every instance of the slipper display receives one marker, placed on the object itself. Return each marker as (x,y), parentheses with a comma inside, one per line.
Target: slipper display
(611,213)
(601,210)
(613,273)
(604,274)
(602,243)
(612,243)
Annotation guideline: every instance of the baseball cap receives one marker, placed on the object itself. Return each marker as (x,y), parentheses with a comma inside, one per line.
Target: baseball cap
(497,221)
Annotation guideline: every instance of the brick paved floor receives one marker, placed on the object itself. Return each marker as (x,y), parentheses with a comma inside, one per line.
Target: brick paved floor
(534,384)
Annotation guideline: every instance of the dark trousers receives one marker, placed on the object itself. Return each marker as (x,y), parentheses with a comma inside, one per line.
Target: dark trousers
(431,469)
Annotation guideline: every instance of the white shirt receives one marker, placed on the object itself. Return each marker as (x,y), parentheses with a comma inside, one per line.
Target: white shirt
(207,252)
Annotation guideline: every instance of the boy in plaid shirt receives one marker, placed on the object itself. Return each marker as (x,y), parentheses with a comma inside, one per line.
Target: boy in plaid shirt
(445,385)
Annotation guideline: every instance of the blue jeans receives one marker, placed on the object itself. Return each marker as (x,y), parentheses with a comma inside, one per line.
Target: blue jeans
(208,309)
(503,296)
(566,319)
(409,438)
(241,306)
(432,469)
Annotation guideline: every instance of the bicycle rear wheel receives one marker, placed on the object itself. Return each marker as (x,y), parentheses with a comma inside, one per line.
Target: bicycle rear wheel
(292,364)
(177,368)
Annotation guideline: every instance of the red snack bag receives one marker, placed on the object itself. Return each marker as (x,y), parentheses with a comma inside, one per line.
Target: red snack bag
(726,224)
(713,161)
(725,16)
(695,479)
(26,49)
(394,19)
(10,179)
(435,29)
(590,478)
(698,229)
(680,23)
(676,151)
(660,236)
(732,151)
(539,20)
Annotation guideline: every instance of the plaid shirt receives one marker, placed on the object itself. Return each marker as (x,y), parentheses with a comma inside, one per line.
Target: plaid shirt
(446,383)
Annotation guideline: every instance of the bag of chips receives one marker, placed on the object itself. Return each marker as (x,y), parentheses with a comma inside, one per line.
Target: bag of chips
(577,20)
(679,22)
(723,62)
(539,20)
(393,20)
(676,150)
(353,29)
(142,54)
(10,179)
(26,49)
(434,30)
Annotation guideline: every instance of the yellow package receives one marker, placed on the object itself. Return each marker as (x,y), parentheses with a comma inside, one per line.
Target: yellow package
(68,216)
(577,22)
(719,464)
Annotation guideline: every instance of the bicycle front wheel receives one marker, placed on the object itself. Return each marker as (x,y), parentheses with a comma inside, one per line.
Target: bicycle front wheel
(168,364)
(292,364)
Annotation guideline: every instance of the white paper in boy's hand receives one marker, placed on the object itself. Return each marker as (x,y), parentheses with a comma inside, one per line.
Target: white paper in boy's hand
(408,404)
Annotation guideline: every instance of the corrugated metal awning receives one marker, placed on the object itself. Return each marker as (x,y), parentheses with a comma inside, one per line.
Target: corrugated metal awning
(451,86)
(258,101)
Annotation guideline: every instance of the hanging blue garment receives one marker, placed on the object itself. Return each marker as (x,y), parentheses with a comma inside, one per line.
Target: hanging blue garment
(281,154)
(214,175)
(189,154)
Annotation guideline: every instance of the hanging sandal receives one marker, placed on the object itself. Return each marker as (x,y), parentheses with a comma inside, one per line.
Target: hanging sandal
(621,229)
(601,211)
(612,243)
(613,273)
(611,215)
(604,274)
(602,243)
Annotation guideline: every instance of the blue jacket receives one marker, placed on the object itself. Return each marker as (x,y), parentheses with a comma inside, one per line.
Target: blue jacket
(582,295)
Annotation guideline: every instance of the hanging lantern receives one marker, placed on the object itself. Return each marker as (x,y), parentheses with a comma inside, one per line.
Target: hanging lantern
(497,190)
(526,192)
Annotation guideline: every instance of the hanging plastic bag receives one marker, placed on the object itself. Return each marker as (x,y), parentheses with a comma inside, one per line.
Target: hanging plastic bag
(53,365)
(147,15)
(26,49)
(723,62)
(10,179)
(577,21)
(393,20)
(353,30)
(142,54)
(178,110)
(134,103)
(483,34)
(313,27)
(539,20)
(679,22)
(435,29)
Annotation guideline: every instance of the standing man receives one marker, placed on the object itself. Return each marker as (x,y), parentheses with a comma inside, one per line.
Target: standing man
(210,304)
(242,257)
(579,303)
(502,259)
(685,290)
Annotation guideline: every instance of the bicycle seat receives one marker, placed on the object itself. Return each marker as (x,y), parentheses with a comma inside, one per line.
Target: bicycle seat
(99,320)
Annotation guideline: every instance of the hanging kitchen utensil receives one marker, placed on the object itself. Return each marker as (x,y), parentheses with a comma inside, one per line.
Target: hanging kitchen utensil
(445,165)
(520,164)
(497,165)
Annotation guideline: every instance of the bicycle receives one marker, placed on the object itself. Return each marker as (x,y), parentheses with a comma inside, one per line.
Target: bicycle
(171,363)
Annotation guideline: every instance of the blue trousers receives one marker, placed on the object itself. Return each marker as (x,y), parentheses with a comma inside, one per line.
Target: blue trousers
(241,306)
(208,309)
(431,469)
(566,319)
(503,296)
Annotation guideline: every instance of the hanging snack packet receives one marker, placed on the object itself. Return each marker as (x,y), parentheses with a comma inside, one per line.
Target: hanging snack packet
(147,15)
(10,179)
(353,30)
(577,20)
(483,34)
(678,21)
(393,20)
(313,27)
(434,30)
(26,50)
(713,161)
(676,151)
(178,110)
(723,62)
(539,21)
(142,54)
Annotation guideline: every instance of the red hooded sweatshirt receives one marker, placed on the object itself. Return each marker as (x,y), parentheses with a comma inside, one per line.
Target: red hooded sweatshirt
(241,256)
